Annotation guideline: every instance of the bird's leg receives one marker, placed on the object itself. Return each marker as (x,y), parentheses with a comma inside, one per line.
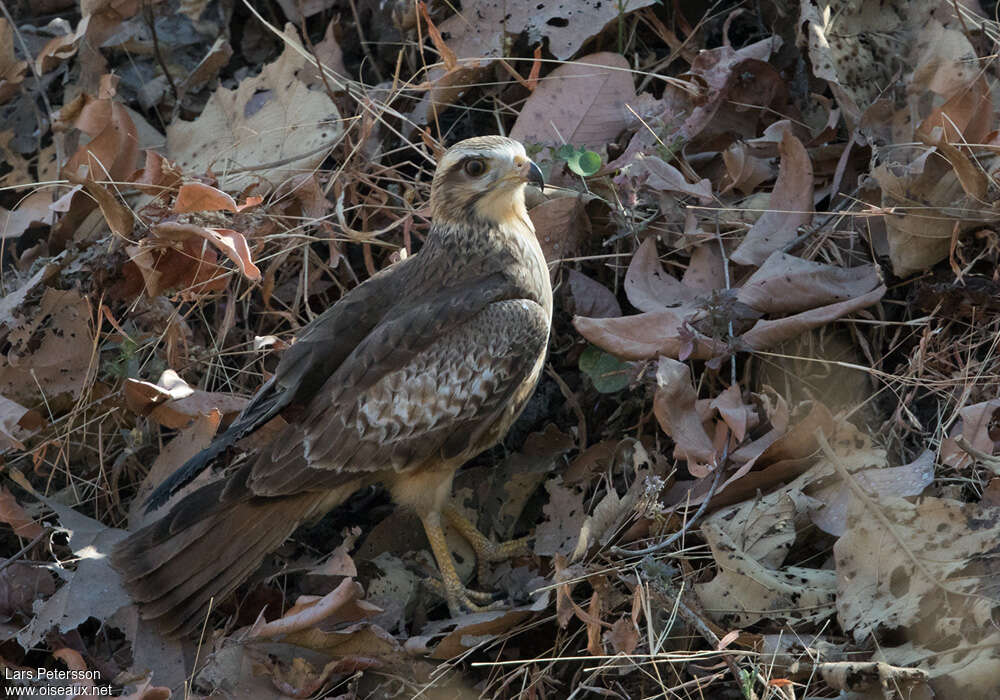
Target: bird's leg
(458,596)
(486,549)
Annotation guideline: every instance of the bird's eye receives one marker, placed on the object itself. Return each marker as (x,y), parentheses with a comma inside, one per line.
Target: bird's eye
(475,167)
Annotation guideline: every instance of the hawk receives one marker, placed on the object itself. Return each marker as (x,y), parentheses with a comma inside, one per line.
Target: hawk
(405,378)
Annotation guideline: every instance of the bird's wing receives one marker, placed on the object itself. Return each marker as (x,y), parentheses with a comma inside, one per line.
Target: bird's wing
(317,352)
(409,396)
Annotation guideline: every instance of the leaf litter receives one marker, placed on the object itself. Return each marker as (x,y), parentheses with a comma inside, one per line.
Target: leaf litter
(764,454)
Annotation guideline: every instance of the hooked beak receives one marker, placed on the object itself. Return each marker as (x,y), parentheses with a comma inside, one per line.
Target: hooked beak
(529,172)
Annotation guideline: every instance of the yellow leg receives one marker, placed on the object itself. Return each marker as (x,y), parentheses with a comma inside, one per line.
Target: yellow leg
(486,549)
(458,596)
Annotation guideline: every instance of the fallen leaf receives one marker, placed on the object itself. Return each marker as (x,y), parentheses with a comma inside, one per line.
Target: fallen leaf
(790,208)
(561,225)
(786,284)
(768,333)
(582,103)
(272,125)
(649,287)
(480,31)
(664,177)
(172,402)
(674,407)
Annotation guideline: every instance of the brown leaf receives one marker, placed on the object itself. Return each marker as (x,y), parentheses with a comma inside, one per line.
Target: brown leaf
(594,645)
(581,103)
(271,121)
(21,584)
(767,333)
(649,287)
(786,284)
(112,152)
(12,71)
(744,171)
(119,217)
(623,636)
(648,335)
(664,177)
(14,515)
(310,610)
(734,412)
(15,423)
(197,196)
(790,207)
(230,242)
(480,30)
(674,407)
(173,403)
(51,351)
(561,225)
(591,298)
(446,54)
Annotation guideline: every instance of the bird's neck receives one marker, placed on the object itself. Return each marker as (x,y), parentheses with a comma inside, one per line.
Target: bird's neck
(482,247)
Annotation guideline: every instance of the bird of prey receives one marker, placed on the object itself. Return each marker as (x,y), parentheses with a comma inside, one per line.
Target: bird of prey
(405,378)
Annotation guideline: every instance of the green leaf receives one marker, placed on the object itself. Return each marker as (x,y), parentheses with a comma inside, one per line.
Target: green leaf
(587,163)
(565,152)
(607,372)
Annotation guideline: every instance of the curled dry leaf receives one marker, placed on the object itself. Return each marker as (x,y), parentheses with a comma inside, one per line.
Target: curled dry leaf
(308,613)
(112,152)
(675,408)
(790,207)
(662,176)
(744,171)
(768,333)
(174,257)
(458,635)
(786,284)
(172,402)
(649,287)
(645,336)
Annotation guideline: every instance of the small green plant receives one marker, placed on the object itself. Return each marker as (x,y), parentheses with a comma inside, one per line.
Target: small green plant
(607,372)
(581,161)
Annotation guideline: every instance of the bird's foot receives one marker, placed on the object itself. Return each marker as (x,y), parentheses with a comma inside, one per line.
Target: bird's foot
(464,600)
(486,549)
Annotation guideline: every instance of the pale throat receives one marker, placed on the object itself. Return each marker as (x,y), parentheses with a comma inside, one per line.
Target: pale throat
(505,207)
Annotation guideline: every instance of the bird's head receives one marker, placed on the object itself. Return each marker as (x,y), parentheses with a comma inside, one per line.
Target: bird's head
(483,179)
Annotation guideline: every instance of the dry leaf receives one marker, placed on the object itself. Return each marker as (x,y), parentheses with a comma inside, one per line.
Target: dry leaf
(591,298)
(272,124)
(480,31)
(790,207)
(582,103)
(786,284)
(674,406)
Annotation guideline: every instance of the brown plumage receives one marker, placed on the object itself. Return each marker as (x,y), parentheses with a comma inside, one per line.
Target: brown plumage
(407,377)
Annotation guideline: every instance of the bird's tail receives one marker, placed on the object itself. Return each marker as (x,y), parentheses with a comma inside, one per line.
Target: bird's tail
(208,544)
